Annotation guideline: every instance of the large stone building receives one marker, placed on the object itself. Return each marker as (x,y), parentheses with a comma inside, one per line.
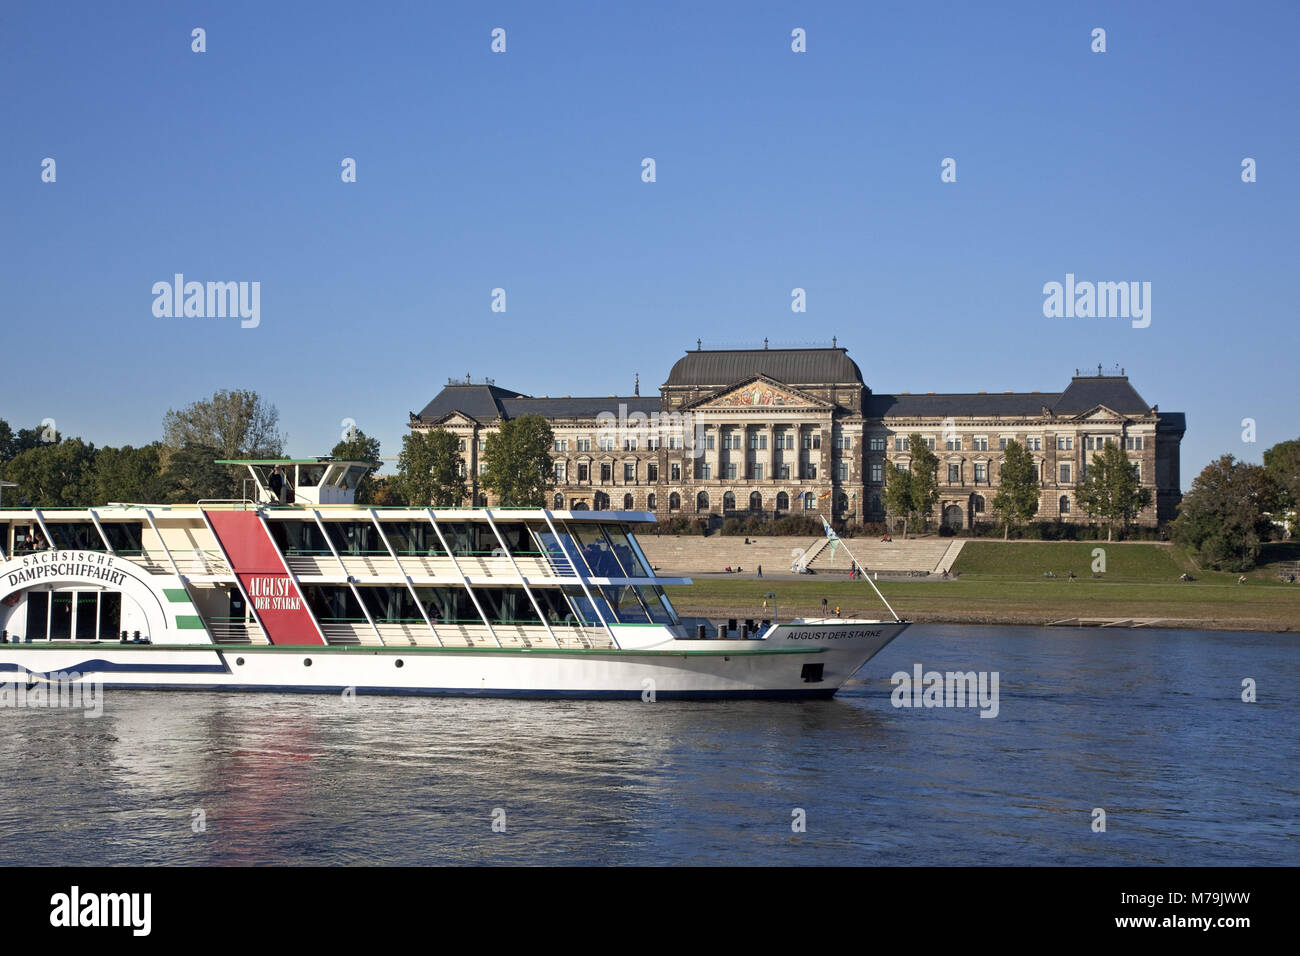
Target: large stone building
(781,431)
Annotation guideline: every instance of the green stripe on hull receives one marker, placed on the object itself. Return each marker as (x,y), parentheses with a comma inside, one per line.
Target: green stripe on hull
(338,649)
(177,595)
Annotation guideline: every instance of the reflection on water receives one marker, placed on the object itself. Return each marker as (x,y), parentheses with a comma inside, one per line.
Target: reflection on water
(1147,725)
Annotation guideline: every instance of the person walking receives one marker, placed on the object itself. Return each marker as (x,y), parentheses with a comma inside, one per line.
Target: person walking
(760,570)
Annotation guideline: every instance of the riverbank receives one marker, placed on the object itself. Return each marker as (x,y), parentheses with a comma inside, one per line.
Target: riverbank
(1003,583)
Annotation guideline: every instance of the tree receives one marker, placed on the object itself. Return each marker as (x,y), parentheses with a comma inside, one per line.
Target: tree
(1223,518)
(1110,490)
(191,474)
(53,475)
(237,424)
(428,469)
(128,474)
(14,444)
(360,447)
(925,479)
(898,494)
(518,457)
(1017,499)
(1282,462)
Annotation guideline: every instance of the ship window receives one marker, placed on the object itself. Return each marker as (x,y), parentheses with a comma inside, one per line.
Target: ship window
(625,605)
(333,604)
(626,552)
(298,537)
(70,536)
(126,537)
(413,538)
(448,606)
(309,476)
(507,606)
(110,615)
(470,538)
(661,612)
(390,605)
(584,608)
(87,615)
(597,551)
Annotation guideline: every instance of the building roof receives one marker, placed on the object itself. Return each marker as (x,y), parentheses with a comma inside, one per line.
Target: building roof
(487,403)
(715,368)
(958,405)
(1086,392)
(479,402)
(578,407)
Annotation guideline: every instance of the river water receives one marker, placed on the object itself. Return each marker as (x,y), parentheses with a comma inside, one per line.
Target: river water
(1149,726)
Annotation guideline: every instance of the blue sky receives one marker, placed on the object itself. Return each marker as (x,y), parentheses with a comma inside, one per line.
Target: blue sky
(522,170)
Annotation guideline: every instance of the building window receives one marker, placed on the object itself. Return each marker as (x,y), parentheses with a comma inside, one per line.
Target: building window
(1133,442)
(558,501)
(1065,443)
(559,472)
(755,471)
(703,470)
(783,470)
(606,472)
(1137,470)
(629,471)
(843,443)
(583,473)
(786,441)
(729,441)
(1065,472)
(954,474)
(463,470)
(1002,443)
(675,442)
(584,444)
(460,445)
(627,503)
(877,472)
(809,471)
(755,501)
(900,443)
(728,502)
(809,501)
(702,501)
(731,469)
(482,468)
(841,471)
(709,442)
(782,501)
(842,503)
(652,444)
(758,441)
(980,444)
(875,504)
(1064,504)
(652,471)
(606,444)
(675,472)
(1034,444)
(600,501)
(901,465)
(651,501)
(674,502)
(561,444)
(877,444)
(981,473)
(953,444)
(812,440)
(977,504)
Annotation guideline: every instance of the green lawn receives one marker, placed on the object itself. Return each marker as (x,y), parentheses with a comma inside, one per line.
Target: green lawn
(1003,583)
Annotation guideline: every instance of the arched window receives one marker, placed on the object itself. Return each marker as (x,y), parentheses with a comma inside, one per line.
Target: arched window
(977,504)
(756,501)
(1065,504)
(558,501)
(702,501)
(651,501)
(782,501)
(809,501)
(628,504)
(728,501)
(601,501)
(674,502)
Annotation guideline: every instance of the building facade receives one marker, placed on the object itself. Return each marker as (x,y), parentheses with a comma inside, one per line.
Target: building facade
(773,432)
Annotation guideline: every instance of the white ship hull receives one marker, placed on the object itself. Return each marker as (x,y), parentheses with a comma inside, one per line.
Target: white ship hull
(799,660)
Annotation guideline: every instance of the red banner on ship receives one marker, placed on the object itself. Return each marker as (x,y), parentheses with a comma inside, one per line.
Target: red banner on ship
(277,602)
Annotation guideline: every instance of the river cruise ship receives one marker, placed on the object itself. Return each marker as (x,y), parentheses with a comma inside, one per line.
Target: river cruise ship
(296,588)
